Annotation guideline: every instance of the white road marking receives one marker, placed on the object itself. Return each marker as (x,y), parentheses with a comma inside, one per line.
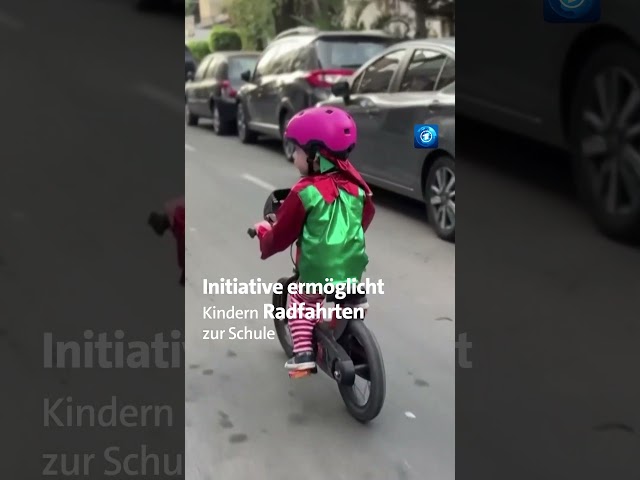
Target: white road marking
(409,415)
(11,22)
(189,148)
(258,182)
(161,96)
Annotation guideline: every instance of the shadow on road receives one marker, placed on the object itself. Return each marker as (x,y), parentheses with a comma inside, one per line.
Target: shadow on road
(517,157)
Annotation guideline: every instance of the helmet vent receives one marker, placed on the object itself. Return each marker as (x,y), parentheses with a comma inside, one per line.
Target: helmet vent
(329,111)
(347,131)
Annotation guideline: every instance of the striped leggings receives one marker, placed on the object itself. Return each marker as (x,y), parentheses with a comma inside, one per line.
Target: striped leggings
(302,328)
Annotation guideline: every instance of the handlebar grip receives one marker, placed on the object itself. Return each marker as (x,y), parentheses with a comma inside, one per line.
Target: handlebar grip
(252,232)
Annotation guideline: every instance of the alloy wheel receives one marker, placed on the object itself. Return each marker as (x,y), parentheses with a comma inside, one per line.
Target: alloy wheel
(610,140)
(442,198)
(240,121)
(216,119)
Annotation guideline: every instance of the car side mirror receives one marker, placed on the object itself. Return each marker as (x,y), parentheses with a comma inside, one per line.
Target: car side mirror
(246,75)
(190,76)
(342,89)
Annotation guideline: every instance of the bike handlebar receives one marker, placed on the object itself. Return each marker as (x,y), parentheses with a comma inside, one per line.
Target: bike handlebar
(252,232)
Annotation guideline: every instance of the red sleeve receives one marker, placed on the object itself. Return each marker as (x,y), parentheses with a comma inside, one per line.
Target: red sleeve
(175,210)
(288,227)
(368,212)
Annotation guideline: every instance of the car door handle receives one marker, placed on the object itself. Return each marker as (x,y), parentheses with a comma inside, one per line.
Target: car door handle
(372,111)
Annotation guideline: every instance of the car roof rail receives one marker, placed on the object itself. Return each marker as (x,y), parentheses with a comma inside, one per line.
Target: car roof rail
(296,31)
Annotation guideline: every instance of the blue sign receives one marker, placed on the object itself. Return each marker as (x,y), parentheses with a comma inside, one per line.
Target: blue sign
(571,11)
(425,136)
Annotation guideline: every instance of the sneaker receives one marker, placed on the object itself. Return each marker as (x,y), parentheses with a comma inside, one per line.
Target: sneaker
(301,361)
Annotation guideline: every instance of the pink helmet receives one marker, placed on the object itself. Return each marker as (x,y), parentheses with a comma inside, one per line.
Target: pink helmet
(323,127)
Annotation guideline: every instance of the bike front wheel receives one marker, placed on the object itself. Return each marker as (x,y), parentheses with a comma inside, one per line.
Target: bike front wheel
(363,348)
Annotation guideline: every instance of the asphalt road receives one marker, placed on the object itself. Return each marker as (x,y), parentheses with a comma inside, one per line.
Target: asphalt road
(245,417)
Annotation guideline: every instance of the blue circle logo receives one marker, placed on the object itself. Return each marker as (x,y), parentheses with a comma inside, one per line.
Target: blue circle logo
(426,137)
(572,9)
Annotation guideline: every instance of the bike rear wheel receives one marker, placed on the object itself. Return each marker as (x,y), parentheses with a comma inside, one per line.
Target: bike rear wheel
(363,348)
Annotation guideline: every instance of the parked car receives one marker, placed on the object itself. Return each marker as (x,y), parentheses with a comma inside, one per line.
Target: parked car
(211,91)
(190,64)
(410,83)
(295,72)
(575,86)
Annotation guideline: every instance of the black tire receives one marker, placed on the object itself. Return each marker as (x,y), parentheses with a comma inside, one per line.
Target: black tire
(599,150)
(287,147)
(244,133)
(282,326)
(220,126)
(436,188)
(191,119)
(366,344)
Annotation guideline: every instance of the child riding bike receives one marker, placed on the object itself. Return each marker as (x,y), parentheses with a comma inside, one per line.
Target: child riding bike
(325,214)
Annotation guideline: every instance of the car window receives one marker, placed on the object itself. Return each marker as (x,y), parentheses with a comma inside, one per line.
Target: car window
(214,67)
(266,64)
(377,77)
(288,57)
(237,65)
(304,59)
(447,75)
(423,71)
(202,68)
(347,52)
(450,89)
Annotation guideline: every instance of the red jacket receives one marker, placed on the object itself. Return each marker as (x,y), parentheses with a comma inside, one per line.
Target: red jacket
(176,212)
(291,215)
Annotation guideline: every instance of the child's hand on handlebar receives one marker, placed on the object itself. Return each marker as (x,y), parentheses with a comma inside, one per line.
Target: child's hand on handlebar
(271,218)
(262,227)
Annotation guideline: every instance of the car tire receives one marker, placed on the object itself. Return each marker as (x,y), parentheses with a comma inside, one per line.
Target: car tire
(220,126)
(287,147)
(440,197)
(606,151)
(244,133)
(191,119)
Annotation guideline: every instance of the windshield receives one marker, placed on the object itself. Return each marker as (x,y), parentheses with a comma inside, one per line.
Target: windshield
(449,89)
(348,53)
(237,65)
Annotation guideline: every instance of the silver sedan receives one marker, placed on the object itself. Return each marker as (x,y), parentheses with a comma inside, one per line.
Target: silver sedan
(408,85)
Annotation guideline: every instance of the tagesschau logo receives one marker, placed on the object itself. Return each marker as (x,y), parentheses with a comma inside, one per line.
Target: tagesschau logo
(425,136)
(571,11)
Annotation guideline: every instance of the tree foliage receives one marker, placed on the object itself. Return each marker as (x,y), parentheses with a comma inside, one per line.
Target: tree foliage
(259,20)
(253,19)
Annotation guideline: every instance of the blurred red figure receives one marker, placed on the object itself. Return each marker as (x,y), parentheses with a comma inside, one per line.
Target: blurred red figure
(173,218)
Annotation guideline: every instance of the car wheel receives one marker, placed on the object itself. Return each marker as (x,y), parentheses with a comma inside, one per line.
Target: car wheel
(287,147)
(220,126)
(605,135)
(244,133)
(440,197)
(190,118)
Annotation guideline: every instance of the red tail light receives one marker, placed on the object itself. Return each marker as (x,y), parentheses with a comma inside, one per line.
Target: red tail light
(227,89)
(326,78)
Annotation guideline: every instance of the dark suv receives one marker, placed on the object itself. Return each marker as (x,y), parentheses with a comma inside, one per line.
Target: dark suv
(296,71)
(190,64)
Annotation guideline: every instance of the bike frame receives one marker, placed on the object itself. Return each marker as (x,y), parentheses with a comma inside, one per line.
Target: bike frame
(331,357)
